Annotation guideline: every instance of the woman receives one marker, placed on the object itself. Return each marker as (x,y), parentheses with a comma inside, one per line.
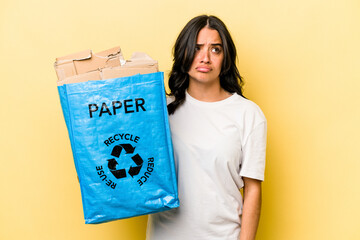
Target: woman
(219,140)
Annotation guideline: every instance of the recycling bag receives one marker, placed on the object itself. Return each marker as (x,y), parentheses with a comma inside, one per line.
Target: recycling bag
(121,143)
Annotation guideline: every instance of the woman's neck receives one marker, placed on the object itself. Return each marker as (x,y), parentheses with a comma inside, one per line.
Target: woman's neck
(206,93)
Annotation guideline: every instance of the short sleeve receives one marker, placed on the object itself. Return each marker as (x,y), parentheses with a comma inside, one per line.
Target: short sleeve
(254,150)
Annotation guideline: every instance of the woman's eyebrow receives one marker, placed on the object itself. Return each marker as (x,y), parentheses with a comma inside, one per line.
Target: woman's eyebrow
(212,44)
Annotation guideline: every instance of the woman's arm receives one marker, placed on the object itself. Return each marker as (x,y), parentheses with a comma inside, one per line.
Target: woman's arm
(251,208)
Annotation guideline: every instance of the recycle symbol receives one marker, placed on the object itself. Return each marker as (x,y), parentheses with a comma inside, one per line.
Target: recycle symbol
(116,152)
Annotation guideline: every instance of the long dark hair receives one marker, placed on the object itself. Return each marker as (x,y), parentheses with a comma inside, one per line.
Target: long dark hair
(184,52)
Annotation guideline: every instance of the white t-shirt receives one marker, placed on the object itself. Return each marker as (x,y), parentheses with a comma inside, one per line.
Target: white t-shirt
(215,144)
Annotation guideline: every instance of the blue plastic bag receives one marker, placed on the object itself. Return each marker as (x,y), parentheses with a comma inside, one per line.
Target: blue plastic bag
(121,143)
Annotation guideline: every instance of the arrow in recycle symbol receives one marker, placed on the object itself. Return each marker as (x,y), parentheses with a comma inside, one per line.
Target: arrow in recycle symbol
(116,152)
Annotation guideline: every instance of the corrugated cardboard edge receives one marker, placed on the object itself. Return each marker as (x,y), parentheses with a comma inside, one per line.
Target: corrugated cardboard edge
(85,62)
(86,66)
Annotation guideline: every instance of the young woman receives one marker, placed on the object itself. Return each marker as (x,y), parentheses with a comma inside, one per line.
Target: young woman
(219,140)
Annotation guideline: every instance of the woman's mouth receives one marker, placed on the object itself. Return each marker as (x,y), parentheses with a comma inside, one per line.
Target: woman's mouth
(203,69)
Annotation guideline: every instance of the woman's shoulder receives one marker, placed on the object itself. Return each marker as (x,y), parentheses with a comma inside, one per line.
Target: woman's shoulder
(248,108)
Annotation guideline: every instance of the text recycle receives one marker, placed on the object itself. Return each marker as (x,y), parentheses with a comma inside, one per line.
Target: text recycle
(119,153)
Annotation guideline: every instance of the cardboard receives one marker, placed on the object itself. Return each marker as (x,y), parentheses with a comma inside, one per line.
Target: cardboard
(87,66)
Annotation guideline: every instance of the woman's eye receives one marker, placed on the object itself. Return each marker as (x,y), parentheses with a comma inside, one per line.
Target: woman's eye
(197,48)
(216,50)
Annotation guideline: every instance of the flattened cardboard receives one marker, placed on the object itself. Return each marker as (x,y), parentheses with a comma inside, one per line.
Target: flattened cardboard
(87,66)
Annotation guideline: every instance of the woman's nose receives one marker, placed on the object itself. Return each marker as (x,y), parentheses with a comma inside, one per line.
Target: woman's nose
(205,56)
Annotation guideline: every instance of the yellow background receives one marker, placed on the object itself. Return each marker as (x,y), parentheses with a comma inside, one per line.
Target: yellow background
(299,59)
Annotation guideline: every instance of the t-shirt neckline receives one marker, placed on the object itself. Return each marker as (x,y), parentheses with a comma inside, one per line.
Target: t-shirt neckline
(216,103)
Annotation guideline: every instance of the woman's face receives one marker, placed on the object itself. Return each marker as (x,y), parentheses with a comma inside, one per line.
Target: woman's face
(209,55)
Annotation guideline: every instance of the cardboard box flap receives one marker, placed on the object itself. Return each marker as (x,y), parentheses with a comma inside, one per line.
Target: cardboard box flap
(117,72)
(140,56)
(75,56)
(90,76)
(112,52)
(87,66)
(98,61)
(86,61)
(140,59)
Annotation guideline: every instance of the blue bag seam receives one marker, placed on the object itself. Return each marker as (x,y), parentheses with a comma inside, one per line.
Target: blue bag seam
(168,137)
(77,166)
